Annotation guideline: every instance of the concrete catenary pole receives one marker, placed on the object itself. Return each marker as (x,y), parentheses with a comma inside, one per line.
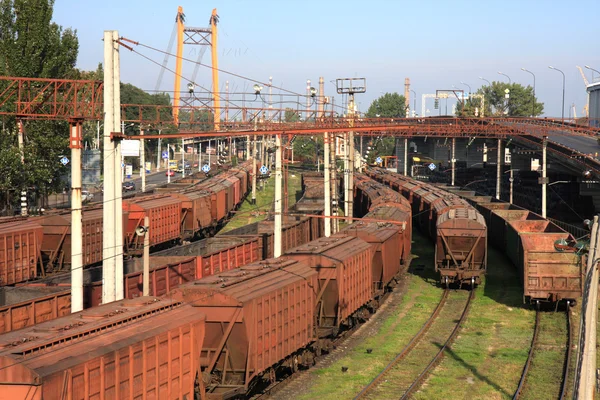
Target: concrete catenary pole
(142,160)
(254,171)
(453,160)
(118,232)
(499,169)
(544,181)
(278,198)
(308,98)
(326,166)
(169,162)
(109,156)
(334,188)
(511,181)
(350,147)
(22,151)
(158,153)
(146,277)
(405,156)
(182,158)
(585,381)
(76,216)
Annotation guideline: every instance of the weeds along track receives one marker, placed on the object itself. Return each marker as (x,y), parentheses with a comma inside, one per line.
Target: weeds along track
(534,377)
(405,373)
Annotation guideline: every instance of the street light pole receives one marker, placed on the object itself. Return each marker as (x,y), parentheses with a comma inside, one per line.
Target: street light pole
(563,96)
(483,79)
(509,80)
(533,97)
(467,85)
(593,70)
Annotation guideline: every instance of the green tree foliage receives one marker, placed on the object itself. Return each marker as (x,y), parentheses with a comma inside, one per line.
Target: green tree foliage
(31,45)
(390,105)
(308,149)
(291,115)
(521,102)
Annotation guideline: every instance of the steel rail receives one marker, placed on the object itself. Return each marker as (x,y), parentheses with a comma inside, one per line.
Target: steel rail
(565,378)
(416,384)
(406,350)
(536,331)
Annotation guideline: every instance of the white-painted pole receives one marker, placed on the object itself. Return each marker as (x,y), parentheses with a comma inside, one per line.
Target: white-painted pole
(182,158)
(453,160)
(405,156)
(511,180)
(76,218)
(334,188)
(22,151)
(159,153)
(109,157)
(248,155)
(118,232)
(544,182)
(209,151)
(350,145)
(254,171)
(346,172)
(277,250)
(142,160)
(146,277)
(499,169)
(169,163)
(327,185)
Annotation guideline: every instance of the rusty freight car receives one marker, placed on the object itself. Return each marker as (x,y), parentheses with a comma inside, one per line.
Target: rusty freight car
(153,352)
(20,245)
(458,230)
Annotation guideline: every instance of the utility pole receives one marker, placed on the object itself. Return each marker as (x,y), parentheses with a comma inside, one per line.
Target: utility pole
(326,164)
(511,180)
(119,284)
(142,160)
(182,158)
(146,277)
(307,112)
(22,151)
(405,156)
(75,126)
(499,169)
(453,160)
(350,86)
(159,153)
(254,171)
(334,188)
(544,174)
(278,203)
(169,162)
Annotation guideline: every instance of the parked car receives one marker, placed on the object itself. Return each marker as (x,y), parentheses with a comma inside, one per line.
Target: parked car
(170,172)
(129,186)
(86,196)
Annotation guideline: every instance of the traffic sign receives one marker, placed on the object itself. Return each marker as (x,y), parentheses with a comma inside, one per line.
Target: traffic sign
(432,166)
(64,160)
(378,160)
(264,170)
(165,155)
(206,168)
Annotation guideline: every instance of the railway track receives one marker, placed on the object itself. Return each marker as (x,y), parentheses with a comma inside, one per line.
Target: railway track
(440,332)
(534,343)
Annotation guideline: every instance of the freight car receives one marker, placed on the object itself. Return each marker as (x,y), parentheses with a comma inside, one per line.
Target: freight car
(148,348)
(34,246)
(549,264)
(457,229)
(31,304)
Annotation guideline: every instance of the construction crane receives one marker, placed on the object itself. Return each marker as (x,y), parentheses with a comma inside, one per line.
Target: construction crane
(585,81)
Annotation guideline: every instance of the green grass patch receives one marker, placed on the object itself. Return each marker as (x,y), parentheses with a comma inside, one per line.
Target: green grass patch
(249,213)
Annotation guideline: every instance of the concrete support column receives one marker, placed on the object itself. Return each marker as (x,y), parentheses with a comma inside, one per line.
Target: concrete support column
(453,160)
(544,179)
(499,169)
(146,277)
(327,184)
(405,156)
(110,177)
(118,232)
(277,250)
(75,141)
(350,195)
(142,161)
(254,171)
(334,188)
(22,151)
(346,173)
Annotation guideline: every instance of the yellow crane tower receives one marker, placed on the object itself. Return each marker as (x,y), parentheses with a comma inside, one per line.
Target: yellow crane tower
(585,81)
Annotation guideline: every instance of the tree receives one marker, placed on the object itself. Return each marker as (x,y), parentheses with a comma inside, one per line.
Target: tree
(31,45)
(308,148)
(390,105)
(291,115)
(521,102)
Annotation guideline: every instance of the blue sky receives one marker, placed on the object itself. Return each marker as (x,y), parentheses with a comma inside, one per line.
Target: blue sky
(435,43)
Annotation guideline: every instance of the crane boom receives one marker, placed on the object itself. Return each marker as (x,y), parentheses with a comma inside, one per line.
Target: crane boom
(583,76)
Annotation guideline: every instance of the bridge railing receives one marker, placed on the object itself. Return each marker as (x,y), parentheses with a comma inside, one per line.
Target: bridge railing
(574,230)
